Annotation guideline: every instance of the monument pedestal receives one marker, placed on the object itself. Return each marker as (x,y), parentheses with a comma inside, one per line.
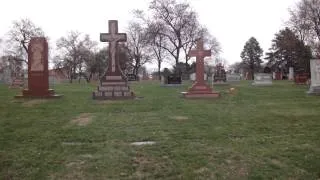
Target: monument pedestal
(314,90)
(26,93)
(115,89)
(199,90)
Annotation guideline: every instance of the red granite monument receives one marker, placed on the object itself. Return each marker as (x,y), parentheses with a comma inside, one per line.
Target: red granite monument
(200,89)
(113,85)
(38,74)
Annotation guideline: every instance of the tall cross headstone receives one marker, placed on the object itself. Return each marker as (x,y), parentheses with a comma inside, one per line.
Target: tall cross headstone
(113,37)
(200,89)
(200,54)
(38,73)
(113,85)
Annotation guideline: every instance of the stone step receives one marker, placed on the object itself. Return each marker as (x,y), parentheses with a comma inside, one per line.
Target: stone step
(111,95)
(113,88)
(114,83)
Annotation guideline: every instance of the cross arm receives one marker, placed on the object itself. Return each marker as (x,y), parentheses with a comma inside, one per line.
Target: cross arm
(108,37)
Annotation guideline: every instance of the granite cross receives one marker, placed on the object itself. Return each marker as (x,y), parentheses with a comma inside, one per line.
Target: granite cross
(200,54)
(113,37)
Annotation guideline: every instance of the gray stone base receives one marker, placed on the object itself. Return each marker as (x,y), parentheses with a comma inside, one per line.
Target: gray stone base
(314,90)
(113,91)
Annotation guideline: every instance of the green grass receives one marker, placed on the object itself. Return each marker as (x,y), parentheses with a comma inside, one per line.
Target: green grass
(259,133)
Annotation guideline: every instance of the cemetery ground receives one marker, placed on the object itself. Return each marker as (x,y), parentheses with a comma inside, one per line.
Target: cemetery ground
(254,133)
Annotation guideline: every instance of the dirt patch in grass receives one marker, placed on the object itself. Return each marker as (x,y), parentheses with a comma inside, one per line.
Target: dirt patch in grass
(179,118)
(73,170)
(83,119)
(34,102)
(148,167)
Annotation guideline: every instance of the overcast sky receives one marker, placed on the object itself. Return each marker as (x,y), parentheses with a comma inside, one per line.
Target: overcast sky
(232,22)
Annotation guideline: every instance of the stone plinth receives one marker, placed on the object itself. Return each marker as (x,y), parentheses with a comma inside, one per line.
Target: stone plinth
(200,91)
(113,89)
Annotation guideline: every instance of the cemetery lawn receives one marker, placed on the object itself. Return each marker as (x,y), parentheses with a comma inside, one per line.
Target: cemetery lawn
(257,133)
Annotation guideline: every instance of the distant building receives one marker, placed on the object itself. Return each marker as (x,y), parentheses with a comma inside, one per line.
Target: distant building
(59,74)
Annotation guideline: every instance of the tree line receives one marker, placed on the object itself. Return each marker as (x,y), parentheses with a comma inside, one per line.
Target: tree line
(292,46)
(165,32)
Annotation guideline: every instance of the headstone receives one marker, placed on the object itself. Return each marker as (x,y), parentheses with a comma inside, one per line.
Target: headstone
(262,79)
(193,76)
(248,76)
(113,85)
(132,77)
(315,77)
(219,76)
(5,76)
(163,80)
(301,78)
(278,76)
(38,74)
(173,79)
(200,89)
(291,74)
(17,83)
(233,78)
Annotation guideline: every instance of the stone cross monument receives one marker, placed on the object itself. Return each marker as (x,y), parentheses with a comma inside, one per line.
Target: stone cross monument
(113,85)
(200,89)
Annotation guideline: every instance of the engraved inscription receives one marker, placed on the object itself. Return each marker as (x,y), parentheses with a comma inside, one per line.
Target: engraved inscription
(37,63)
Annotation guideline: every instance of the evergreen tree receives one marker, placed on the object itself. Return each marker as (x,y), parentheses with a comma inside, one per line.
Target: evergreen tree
(289,51)
(251,55)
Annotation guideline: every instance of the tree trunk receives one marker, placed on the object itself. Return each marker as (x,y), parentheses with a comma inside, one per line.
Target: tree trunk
(159,71)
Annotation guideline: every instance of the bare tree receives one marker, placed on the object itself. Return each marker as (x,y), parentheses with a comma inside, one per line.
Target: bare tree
(196,32)
(305,21)
(19,37)
(138,46)
(177,17)
(157,41)
(75,53)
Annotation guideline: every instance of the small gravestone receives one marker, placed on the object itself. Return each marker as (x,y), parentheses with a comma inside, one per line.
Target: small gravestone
(301,77)
(233,78)
(38,74)
(6,76)
(220,75)
(17,83)
(132,77)
(193,76)
(174,80)
(291,74)
(262,79)
(315,77)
